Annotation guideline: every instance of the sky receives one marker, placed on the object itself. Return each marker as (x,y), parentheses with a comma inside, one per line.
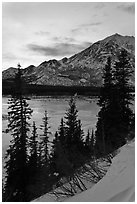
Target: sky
(33,32)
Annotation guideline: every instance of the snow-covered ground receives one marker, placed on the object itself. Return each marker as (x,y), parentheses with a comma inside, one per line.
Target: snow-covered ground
(118,185)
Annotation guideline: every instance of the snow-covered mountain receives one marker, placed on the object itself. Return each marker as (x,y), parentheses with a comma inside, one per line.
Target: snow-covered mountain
(84,68)
(118,185)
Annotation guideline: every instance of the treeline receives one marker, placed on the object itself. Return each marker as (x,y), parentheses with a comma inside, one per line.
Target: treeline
(34,164)
(8,88)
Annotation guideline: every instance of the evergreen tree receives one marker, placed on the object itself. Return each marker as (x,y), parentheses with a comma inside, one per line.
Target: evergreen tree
(74,144)
(39,153)
(87,140)
(61,132)
(54,146)
(53,154)
(92,142)
(107,89)
(89,143)
(56,139)
(74,134)
(92,136)
(79,136)
(106,103)
(33,145)
(60,164)
(115,115)
(123,72)
(17,154)
(44,151)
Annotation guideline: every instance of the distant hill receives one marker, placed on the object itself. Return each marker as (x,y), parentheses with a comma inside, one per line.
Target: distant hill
(82,69)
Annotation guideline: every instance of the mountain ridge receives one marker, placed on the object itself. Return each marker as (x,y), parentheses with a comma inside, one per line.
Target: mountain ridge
(82,69)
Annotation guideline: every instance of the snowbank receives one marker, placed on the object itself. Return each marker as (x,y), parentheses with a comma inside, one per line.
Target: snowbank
(119,183)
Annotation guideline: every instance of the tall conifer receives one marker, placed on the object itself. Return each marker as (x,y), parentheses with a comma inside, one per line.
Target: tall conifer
(17,154)
(33,145)
(122,74)
(61,132)
(106,103)
(44,140)
(115,115)
(74,132)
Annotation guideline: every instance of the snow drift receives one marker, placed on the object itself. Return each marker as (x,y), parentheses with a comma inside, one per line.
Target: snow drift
(118,185)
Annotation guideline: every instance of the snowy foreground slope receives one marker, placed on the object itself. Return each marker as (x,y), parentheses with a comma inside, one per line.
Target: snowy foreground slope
(118,185)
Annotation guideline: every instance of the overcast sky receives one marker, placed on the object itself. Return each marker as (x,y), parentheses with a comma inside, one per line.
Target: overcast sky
(35,32)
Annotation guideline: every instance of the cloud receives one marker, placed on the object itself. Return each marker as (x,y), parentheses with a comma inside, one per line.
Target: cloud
(42,33)
(64,40)
(91,24)
(75,30)
(86,25)
(69,39)
(127,7)
(58,49)
(8,56)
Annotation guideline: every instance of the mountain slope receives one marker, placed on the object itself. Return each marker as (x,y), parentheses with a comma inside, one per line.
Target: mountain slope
(84,68)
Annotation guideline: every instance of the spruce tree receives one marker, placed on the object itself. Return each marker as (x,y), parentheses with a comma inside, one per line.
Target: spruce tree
(74,134)
(44,140)
(89,143)
(115,115)
(106,104)
(78,139)
(74,144)
(59,159)
(92,142)
(61,132)
(54,146)
(122,74)
(87,140)
(107,89)
(53,154)
(33,146)
(17,155)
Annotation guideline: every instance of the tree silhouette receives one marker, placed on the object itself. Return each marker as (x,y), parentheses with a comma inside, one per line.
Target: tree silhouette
(33,145)
(106,103)
(115,115)
(53,154)
(74,143)
(89,143)
(17,155)
(61,132)
(122,74)
(44,140)
(74,134)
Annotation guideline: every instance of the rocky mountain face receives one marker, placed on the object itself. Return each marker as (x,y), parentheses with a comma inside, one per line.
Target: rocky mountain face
(82,69)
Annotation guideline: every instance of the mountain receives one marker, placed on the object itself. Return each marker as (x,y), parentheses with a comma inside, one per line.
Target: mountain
(82,69)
